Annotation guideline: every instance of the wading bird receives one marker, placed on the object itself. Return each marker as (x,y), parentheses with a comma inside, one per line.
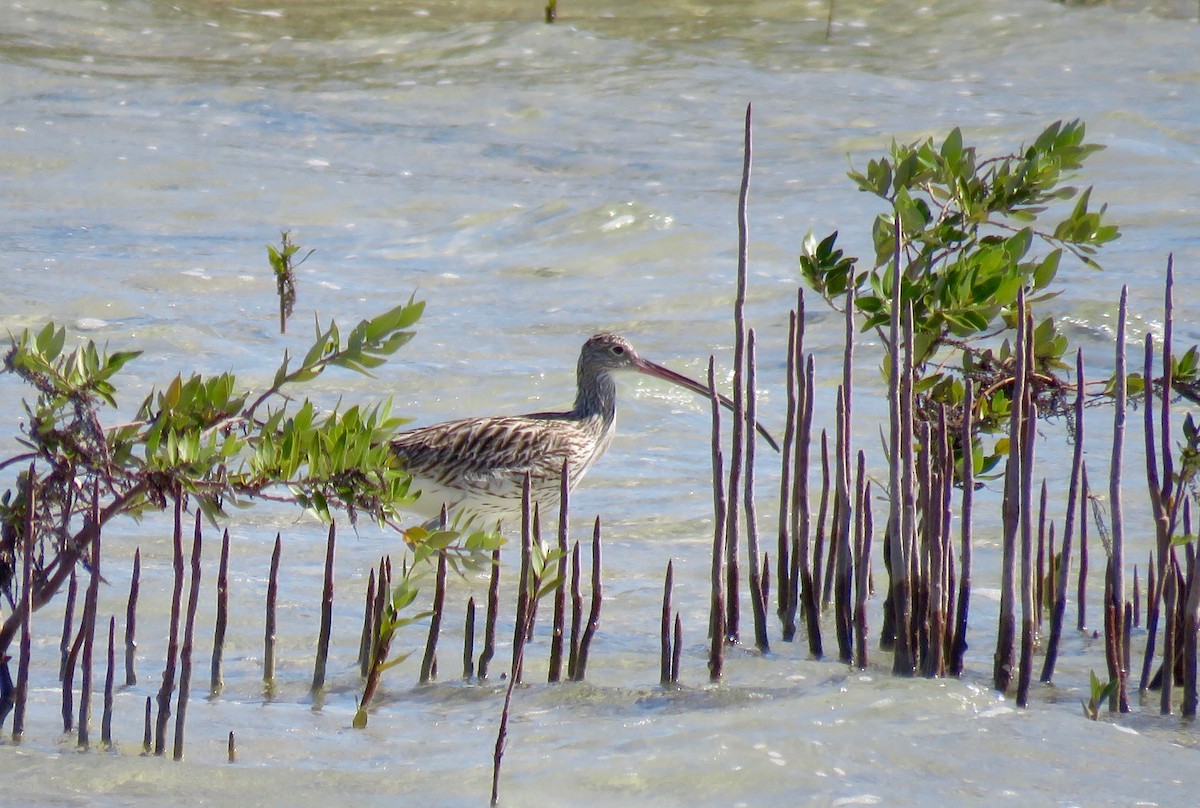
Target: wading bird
(475,467)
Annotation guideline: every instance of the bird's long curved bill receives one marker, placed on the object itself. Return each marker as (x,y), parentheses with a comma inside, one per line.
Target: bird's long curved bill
(666,374)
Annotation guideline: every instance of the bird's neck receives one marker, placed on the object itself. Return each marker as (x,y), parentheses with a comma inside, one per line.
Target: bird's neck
(596,398)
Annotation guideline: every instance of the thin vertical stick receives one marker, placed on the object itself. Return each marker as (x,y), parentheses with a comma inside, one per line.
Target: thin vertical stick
(593,621)
(1028,618)
(189,633)
(758,600)
(784,607)
(493,612)
(269,623)
(1136,599)
(800,573)
(326,627)
(168,680)
(1170,594)
(109,673)
(429,661)
(1156,573)
(558,630)
(87,626)
(1085,497)
(897,551)
(861,564)
(21,690)
(216,679)
(900,516)
(1165,494)
(938,516)
(380,644)
(367,641)
(147,730)
(64,645)
(842,535)
(827,588)
(732,600)
(1191,621)
(68,684)
(1039,565)
(1073,498)
(469,641)
(131,620)
(665,630)
(810,589)
(1120,699)
(676,649)
(905,659)
(966,440)
(850,514)
(576,613)
(521,623)
(231,748)
(716,621)
(1002,670)
(536,541)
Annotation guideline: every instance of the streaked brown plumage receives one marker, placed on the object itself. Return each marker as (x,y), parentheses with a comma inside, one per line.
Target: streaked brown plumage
(477,465)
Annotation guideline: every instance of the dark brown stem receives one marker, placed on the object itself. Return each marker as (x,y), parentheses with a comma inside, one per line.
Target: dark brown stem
(1120,697)
(803,584)
(269,622)
(167,688)
(189,634)
(68,685)
(493,613)
(216,679)
(1191,622)
(593,620)
(68,622)
(147,729)
(1063,570)
(1085,496)
(367,639)
(1028,618)
(665,628)
(758,602)
(469,641)
(109,673)
(962,613)
(576,612)
(862,565)
(131,620)
(717,614)
(524,606)
(1039,566)
(842,536)
(1002,671)
(558,629)
(87,627)
(21,690)
(783,548)
(326,627)
(902,515)
(676,649)
(382,642)
(429,661)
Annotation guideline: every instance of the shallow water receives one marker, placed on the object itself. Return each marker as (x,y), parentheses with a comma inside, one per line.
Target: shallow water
(534,184)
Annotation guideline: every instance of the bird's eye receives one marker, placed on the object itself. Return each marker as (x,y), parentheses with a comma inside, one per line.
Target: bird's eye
(619,350)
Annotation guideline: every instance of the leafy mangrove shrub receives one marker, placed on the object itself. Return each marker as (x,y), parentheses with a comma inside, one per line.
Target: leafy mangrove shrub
(967,234)
(204,440)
